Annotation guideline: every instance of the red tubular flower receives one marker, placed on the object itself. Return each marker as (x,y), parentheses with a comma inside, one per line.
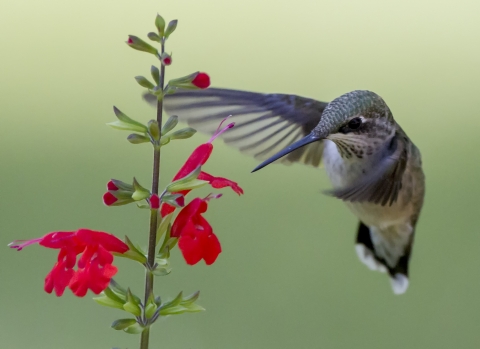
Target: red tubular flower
(198,158)
(196,238)
(95,267)
(202,80)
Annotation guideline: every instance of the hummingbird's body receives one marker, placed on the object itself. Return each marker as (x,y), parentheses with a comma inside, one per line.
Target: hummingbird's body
(372,164)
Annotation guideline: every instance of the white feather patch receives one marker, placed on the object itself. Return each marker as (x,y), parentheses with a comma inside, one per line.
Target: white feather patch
(399,283)
(367,258)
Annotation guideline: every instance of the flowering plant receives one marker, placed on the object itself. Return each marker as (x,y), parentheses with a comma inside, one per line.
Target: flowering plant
(85,258)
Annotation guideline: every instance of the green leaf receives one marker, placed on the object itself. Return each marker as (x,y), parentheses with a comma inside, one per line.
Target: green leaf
(138,44)
(170,124)
(108,302)
(133,253)
(135,329)
(184,133)
(113,296)
(122,324)
(160,24)
(132,306)
(140,193)
(171,28)
(126,123)
(190,299)
(143,81)
(155,74)
(154,37)
(190,181)
(135,138)
(163,226)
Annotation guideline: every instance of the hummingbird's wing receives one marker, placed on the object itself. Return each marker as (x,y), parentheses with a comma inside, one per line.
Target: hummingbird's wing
(264,123)
(384,183)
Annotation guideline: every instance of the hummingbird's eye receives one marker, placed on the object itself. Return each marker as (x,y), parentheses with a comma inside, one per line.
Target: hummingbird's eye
(354,123)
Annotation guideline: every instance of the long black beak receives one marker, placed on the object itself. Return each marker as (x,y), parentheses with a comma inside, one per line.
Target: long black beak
(298,144)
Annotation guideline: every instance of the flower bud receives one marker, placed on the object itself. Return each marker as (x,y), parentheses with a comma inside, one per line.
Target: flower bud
(193,81)
(140,192)
(154,202)
(202,80)
(160,24)
(166,59)
(117,198)
(154,37)
(140,45)
(154,130)
(171,28)
(143,81)
(115,184)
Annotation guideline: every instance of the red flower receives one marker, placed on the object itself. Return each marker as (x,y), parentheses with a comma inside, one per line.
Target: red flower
(202,80)
(198,158)
(95,267)
(196,238)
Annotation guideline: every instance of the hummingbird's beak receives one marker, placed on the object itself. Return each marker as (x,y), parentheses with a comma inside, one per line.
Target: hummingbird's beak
(298,144)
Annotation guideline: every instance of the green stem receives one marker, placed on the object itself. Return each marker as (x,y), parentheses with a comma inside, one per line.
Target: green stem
(152,239)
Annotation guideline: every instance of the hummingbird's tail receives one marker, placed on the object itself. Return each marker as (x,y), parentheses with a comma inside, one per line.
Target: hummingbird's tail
(386,250)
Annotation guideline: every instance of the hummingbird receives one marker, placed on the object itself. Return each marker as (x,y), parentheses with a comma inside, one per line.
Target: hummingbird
(373,166)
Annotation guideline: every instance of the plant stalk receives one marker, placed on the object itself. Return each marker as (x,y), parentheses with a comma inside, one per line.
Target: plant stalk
(154,214)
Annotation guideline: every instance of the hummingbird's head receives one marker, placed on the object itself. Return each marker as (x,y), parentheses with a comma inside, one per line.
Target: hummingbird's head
(353,121)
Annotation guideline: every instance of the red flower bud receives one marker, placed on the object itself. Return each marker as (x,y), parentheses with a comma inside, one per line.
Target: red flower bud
(111,186)
(109,199)
(202,80)
(154,202)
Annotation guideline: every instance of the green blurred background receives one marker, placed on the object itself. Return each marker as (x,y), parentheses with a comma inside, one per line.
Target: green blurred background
(288,276)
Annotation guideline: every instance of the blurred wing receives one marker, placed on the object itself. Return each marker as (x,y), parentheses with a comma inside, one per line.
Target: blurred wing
(264,123)
(384,184)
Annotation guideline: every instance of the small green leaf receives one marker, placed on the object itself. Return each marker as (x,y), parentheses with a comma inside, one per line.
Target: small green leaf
(122,324)
(113,296)
(154,37)
(126,123)
(170,124)
(108,302)
(143,81)
(132,306)
(140,45)
(160,24)
(135,138)
(193,184)
(190,299)
(135,329)
(133,253)
(163,226)
(184,133)
(171,28)
(155,74)
(140,192)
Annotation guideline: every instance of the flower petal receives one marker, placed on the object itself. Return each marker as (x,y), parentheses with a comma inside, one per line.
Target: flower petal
(58,279)
(108,241)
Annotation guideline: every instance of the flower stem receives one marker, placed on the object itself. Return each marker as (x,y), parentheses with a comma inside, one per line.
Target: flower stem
(154,214)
